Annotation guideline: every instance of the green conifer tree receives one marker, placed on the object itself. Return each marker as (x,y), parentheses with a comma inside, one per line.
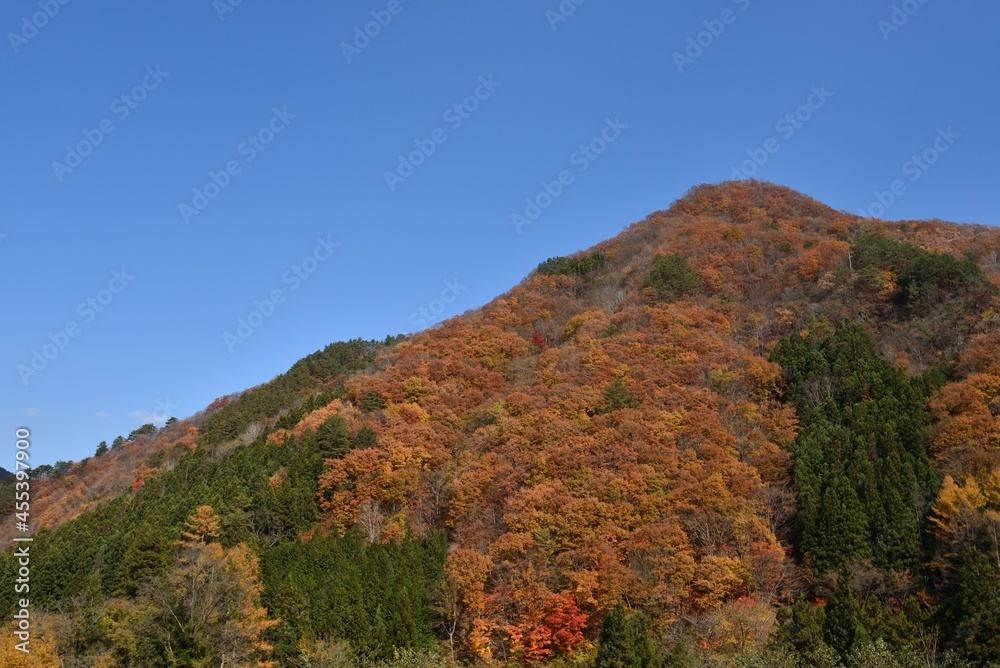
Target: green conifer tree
(625,641)
(978,609)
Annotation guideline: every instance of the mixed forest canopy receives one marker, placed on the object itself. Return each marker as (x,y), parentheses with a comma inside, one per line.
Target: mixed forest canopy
(747,431)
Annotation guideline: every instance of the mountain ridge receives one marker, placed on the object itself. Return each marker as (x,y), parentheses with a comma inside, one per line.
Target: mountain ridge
(623,425)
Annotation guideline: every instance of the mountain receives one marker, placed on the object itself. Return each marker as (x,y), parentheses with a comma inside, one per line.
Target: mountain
(748,430)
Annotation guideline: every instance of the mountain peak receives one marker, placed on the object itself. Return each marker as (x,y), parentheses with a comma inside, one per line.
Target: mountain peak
(746,201)
(647,421)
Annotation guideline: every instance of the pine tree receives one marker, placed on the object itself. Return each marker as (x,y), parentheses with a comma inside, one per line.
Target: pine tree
(147,556)
(861,473)
(844,628)
(842,529)
(365,438)
(803,630)
(616,396)
(978,609)
(672,278)
(371,401)
(625,641)
(332,438)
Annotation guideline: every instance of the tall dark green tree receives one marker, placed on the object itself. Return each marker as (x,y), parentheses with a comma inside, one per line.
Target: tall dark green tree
(803,631)
(332,437)
(616,396)
(861,471)
(365,438)
(978,609)
(672,278)
(146,557)
(625,641)
(844,628)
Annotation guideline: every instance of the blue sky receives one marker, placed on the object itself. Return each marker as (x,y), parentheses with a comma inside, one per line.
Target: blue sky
(169,168)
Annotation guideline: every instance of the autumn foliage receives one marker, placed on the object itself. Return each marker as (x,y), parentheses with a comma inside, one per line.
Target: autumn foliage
(618,433)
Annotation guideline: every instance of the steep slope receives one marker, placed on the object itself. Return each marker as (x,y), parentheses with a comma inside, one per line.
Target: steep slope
(64,491)
(634,425)
(606,432)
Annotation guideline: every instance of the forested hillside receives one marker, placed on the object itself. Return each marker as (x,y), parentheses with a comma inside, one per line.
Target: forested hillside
(749,430)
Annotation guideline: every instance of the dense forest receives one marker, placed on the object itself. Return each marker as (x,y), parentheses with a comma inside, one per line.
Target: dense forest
(747,431)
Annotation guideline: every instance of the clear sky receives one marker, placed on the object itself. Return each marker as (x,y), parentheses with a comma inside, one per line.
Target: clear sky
(215,155)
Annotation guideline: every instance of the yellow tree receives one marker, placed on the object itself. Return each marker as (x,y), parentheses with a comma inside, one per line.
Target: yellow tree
(208,610)
(41,650)
(962,514)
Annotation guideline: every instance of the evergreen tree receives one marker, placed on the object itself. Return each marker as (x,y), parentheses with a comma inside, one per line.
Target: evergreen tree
(616,396)
(332,438)
(372,401)
(672,278)
(365,438)
(580,266)
(978,609)
(861,471)
(844,628)
(803,630)
(147,556)
(625,641)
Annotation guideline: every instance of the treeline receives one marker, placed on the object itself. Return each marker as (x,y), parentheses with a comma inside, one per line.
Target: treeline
(923,278)
(135,561)
(861,473)
(320,369)
(865,490)
(740,511)
(263,496)
(865,486)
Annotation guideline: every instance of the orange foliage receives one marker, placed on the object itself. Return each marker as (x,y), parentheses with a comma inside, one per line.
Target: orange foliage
(56,501)
(497,421)
(497,426)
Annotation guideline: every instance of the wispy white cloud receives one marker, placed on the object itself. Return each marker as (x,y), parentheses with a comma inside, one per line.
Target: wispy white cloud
(103,414)
(144,416)
(32,411)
